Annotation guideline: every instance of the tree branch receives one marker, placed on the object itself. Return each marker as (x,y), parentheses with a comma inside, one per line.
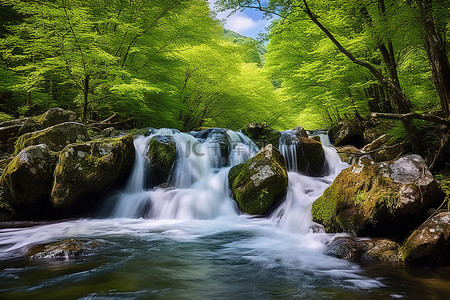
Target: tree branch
(412,115)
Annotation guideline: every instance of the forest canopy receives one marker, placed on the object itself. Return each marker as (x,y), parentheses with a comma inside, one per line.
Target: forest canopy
(171,63)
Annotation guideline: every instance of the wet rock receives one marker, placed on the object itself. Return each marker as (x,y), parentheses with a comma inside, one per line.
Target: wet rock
(300,132)
(351,248)
(430,243)
(62,250)
(378,199)
(347,133)
(87,170)
(310,157)
(57,115)
(343,247)
(161,156)
(262,134)
(258,184)
(27,180)
(55,137)
(379,250)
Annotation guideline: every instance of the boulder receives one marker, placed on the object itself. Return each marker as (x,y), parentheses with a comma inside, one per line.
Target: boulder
(57,115)
(310,157)
(87,170)
(27,181)
(259,183)
(262,134)
(364,249)
(348,154)
(430,243)
(347,133)
(55,137)
(378,199)
(62,250)
(379,250)
(161,156)
(300,132)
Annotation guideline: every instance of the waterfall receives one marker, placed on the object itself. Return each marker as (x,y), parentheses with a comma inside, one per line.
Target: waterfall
(294,214)
(199,178)
(288,147)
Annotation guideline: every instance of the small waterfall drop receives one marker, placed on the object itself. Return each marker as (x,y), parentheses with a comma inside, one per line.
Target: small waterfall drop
(288,147)
(294,214)
(199,178)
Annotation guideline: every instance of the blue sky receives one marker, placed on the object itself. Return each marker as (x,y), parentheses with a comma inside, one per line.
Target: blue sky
(249,22)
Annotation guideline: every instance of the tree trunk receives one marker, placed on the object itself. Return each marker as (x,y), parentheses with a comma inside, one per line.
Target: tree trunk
(85,98)
(437,56)
(396,96)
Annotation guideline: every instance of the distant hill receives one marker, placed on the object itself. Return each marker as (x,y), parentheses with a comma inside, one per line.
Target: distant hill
(240,39)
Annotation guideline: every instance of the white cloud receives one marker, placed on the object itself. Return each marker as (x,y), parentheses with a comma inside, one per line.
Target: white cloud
(240,22)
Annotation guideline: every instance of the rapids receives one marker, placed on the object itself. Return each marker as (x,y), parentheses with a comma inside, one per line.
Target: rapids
(190,241)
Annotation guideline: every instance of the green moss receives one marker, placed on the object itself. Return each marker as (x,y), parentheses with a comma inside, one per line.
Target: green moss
(89,168)
(355,197)
(260,182)
(55,137)
(161,155)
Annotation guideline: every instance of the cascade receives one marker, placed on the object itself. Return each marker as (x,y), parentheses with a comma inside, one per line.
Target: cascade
(199,177)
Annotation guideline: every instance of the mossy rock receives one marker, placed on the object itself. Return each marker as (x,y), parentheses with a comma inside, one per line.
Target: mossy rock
(87,170)
(347,133)
(27,181)
(378,199)
(258,184)
(161,156)
(55,116)
(10,130)
(262,134)
(430,243)
(348,154)
(351,248)
(310,157)
(55,137)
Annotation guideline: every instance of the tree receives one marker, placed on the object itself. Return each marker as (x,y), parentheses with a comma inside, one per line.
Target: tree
(390,82)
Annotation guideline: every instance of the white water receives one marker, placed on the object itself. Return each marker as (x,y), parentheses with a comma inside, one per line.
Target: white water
(199,207)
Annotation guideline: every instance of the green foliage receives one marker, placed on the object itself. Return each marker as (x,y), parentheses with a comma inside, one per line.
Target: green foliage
(162,63)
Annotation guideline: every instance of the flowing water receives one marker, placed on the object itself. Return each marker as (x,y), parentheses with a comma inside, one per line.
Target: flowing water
(191,242)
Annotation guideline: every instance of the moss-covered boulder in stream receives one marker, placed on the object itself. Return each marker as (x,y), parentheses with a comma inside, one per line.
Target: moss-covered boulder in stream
(87,170)
(258,184)
(55,137)
(378,199)
(27,181)
(310,157)
(430,243)
(161,155)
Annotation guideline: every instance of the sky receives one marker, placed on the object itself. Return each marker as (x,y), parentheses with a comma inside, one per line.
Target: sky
(249,22)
